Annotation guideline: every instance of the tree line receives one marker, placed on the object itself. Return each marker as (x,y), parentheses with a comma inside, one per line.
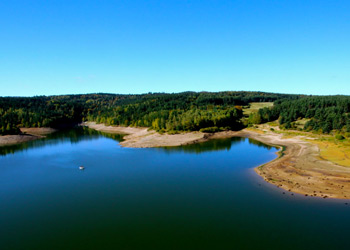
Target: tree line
(187,111)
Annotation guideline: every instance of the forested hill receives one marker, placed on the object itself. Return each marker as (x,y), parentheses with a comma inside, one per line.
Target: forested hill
(186,111)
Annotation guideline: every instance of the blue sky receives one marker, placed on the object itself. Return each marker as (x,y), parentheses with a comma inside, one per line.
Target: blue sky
(69,47)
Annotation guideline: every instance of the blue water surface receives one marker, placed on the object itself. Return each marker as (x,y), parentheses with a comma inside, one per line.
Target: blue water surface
(201,196)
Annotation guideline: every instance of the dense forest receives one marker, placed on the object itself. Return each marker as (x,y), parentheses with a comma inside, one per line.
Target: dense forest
(323,113)
(187,111)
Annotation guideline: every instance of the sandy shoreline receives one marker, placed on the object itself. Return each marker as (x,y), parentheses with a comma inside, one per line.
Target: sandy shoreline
(145,138)
(299,170)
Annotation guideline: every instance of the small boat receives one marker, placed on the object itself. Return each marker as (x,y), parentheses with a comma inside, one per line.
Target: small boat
(81,167)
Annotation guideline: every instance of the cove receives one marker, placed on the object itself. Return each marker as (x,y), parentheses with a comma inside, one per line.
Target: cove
(199,196)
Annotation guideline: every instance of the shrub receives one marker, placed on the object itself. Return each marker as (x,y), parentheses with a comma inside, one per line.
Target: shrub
(209,130)
(339,137)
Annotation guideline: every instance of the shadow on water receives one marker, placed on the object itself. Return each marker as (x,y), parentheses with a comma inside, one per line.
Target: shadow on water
(213,145)
(73,136)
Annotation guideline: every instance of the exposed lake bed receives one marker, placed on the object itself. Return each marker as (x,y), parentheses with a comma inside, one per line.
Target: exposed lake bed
(195,196)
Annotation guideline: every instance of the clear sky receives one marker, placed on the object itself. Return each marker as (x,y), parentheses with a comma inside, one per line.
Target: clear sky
(69,47)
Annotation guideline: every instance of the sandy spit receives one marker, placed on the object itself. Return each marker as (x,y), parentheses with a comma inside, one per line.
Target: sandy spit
(145,138)
(38,131)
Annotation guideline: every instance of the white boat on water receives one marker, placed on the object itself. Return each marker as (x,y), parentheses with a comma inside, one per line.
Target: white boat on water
(81,167)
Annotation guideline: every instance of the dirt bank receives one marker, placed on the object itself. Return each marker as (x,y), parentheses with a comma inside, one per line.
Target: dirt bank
(29,134)
(38,131)
(15,139)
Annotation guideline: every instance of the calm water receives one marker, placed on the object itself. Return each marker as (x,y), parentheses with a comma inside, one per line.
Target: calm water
(203,196)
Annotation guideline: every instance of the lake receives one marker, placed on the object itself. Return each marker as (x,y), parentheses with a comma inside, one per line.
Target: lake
(201,196)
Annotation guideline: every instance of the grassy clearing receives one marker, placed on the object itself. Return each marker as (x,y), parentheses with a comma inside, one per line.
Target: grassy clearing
(293,133)
(255,106)
(273,124)
(301,123)
(335,151)
(259,131)
(331,149)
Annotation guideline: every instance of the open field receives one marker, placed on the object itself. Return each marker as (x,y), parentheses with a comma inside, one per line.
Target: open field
(255,106)
(335,151)
(330,149)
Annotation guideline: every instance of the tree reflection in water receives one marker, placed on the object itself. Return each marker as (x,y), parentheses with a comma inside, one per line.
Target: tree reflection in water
(214,145)
(71,135)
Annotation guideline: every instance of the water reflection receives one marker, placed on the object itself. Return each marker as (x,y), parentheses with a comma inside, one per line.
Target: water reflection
(84,134)
(214,145)
(71,135)
(259,144)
